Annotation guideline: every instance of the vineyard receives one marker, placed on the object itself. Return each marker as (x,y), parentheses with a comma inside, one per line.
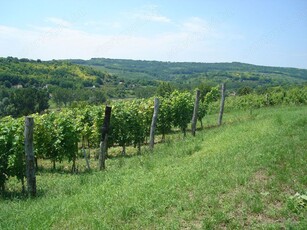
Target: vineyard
(63,135)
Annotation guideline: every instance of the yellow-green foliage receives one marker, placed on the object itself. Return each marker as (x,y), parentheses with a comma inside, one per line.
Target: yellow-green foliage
(45,71)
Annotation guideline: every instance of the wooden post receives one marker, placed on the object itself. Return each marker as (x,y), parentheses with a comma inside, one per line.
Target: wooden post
(30,160)
(154,124)
(194,118)
(222,104)
(104,138)
(86,159)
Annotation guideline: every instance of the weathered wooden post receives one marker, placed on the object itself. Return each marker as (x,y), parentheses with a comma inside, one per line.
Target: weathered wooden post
(196,106)
(30,160)
(104,138)
(86,159)
(222,104)
(154,124)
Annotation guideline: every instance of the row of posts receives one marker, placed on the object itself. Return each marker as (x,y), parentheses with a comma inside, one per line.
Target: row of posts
(30,159)
(194,118)
(29,125)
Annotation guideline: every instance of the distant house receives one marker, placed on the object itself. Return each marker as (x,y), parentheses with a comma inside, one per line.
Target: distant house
(19,86)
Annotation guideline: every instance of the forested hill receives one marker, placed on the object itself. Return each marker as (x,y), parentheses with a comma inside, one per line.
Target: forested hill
(31,86)
(25,72)
(235,72)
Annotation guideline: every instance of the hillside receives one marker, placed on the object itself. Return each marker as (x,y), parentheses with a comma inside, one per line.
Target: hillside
(37,73)
(31,86)
(250,173)
(237,74)
(122,78)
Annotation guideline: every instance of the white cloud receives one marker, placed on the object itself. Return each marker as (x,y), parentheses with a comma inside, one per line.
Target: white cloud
(7,30)
(192,40)
(103,25)
(69,43)
(153,17)
(59,22)
(150,13)
(200,28)
(195,24)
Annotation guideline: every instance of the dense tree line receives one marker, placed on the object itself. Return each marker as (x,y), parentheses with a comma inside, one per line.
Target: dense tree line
(25,72)
(189,74)
(27,85)
(24,101)
(67,97)
(79,80)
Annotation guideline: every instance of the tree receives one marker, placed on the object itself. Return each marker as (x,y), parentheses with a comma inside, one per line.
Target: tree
(24,101)
(62,96)
(245,90)
(164,89)
(97,96)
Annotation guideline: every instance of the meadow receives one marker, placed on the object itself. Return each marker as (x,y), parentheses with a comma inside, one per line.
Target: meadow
(249,173)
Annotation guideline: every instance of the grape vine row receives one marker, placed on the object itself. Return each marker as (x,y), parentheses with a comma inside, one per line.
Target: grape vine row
(59,135)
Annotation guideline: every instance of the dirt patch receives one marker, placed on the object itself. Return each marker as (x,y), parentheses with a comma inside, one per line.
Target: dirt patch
(191,195)
(263,219)
(287,190)
(277,205)
(194,224)
(260,177)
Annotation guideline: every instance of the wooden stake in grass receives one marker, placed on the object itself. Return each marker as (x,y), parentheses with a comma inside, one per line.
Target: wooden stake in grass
(104,138)
(194,118)
(154,124)
(30,160)
(86,159)
(222,104)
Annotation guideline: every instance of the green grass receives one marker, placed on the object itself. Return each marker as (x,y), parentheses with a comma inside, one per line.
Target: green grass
(237,176)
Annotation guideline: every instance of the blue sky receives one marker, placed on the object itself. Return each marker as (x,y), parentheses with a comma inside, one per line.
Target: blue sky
(271,32)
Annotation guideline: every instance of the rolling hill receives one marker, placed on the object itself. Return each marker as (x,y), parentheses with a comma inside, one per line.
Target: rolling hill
(179,73)
(25,72)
